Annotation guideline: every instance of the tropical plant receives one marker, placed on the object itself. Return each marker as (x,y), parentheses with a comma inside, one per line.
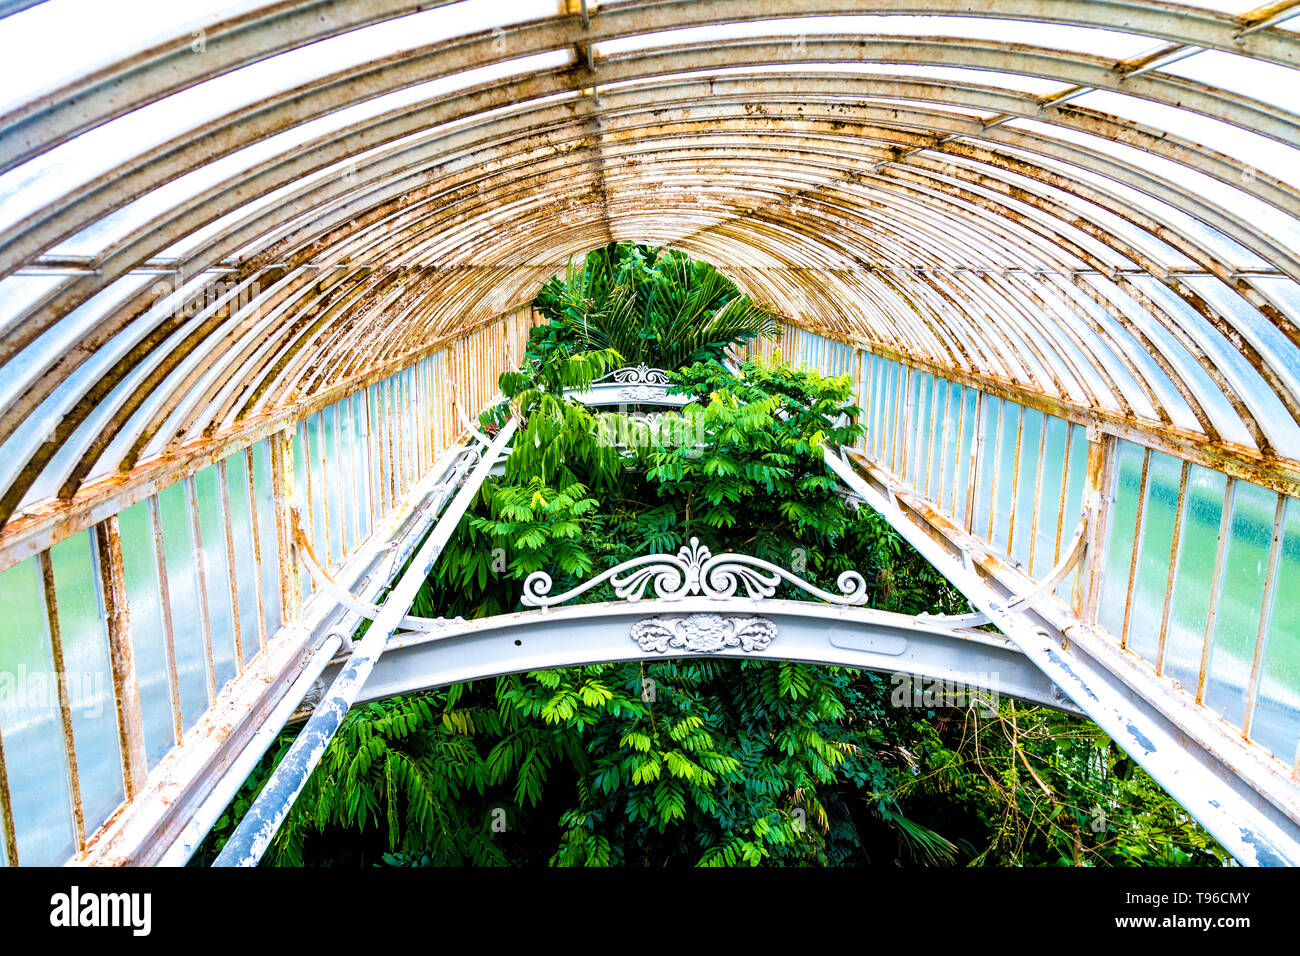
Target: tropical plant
(652,306)
(702,761)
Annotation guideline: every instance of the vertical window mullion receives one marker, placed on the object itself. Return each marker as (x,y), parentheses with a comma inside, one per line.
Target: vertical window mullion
(201,583)
(256,540)
(1137,547)
(232,572)
(107,553)
(1216,586)
(168,626)
(1015,478)
(1266,612)
(65,707)
(1180,521)
(1038,492)
(7,831)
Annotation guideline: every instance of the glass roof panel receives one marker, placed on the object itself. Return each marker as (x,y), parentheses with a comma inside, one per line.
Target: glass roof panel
(1262,401)
(1269,83)
(92,34)
(1101,352)
(1252,149)
(71,390)
(58,338)
(95,238)
(34,184)
(1152,374)
(1268,220)
(1197,380)
(1284,291)
(1131,235)
(1261,333)
(17,293)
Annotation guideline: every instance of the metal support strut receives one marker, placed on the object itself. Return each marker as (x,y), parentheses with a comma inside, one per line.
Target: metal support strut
(259,826)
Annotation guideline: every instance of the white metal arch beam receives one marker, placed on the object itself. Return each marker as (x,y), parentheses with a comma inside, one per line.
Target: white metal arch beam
(806,631)
(89,101)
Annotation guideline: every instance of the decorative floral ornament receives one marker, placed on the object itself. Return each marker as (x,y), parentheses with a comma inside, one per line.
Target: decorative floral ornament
(641,393)
(704,633)
(694,571)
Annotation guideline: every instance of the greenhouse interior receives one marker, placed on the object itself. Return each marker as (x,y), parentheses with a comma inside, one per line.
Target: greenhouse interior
(649,433)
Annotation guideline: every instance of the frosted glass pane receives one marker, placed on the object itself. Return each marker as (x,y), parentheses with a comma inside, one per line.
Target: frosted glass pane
(330,454)
(1270,82)
(1240,598)
(987,462)
(1010,428)
(17,293)
(216,572)
(1194,581)
(917,451)
(934,463)
(29,721)
(182,587)
(1055,450)
(241,530)
(1277,708)
(377,454)
(360,471)
(305,491)
(319,488)
(91,35)
(890,413)
(1123,529)
(884,403)
(1032,430)
(143,597)
(968,432)
(880,388)
(1149,587)
(90,677)
(265,495)
(951,443)
(1076,477)
(1252,149)
(345,466)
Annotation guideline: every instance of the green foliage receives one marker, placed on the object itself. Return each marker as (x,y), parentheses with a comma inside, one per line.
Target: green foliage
(1031,786)
(651,306)
(699,761)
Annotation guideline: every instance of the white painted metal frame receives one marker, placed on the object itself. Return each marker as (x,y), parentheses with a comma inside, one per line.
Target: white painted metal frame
(805,631)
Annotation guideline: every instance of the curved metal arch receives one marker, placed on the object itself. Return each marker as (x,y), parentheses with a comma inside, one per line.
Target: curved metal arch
(1261,363)
(805,631)
(763,236)
(168,67)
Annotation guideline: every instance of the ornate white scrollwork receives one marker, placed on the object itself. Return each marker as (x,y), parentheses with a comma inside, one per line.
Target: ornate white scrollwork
(642,393)
(703,633)
(694,570)
(639,374)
